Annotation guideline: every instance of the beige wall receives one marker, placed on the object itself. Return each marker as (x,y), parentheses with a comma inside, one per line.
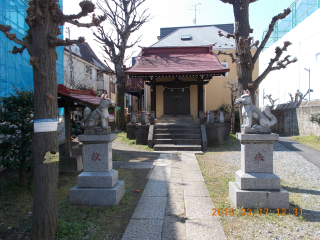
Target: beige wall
(159,101)
(134,103)
(148,97)
(217,90)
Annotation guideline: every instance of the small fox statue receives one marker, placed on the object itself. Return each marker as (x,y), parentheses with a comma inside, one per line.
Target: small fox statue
(250,112)
(100,115)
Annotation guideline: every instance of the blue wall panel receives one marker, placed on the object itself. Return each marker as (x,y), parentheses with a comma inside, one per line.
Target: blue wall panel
(15,69)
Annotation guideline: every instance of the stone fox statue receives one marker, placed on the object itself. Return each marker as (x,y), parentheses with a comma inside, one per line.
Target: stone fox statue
(263,117)
(100,115)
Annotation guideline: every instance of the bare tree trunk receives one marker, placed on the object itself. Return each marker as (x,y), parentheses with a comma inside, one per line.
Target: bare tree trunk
(44,18)
(243,56)
(232,113)
(244,59)
(45,213)
(120,103)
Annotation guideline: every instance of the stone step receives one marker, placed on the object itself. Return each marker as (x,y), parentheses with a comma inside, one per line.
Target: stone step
(171,135)
(177,130)
(178,141)
(166,125)
(177,147)
(177,119)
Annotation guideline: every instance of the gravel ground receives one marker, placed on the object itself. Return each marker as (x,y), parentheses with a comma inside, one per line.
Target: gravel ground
(298,176)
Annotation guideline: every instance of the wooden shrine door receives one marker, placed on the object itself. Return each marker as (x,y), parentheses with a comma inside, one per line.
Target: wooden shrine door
(176,101)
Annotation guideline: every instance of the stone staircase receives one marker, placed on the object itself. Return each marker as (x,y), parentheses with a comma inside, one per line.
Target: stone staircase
(177,137)
(176,119)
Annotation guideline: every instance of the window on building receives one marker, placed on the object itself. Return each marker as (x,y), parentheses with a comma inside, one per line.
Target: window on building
(225,64)
(112,87)
(100,76)
(186,37)
(88,70)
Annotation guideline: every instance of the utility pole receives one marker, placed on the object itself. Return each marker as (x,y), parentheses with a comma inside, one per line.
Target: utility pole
(194,7)
(308,70)
(70,61)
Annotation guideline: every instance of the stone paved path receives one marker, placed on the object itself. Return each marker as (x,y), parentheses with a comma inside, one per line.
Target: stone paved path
(175,203)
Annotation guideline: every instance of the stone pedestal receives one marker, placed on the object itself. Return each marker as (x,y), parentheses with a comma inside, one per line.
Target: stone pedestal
(131,131)
(211,117)
(217,134)
(152,118)
(98,184)
(256,185)
(142,134)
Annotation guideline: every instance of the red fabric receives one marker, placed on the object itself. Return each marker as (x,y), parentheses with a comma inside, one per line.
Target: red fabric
(181,60)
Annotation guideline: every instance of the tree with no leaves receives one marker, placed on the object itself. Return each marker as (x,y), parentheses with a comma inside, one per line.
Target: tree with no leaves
(271,100)
(298,96)
(44,18)
(125,20)
(233,94)
(243,57)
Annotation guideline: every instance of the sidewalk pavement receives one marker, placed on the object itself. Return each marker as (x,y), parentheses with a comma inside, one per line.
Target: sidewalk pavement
(312,155)
(175,203)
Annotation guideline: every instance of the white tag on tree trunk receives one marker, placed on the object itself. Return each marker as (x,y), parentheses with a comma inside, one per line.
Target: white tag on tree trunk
(45,125)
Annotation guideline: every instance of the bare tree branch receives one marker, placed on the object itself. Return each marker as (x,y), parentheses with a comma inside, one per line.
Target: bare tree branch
(129,56)
(298,96)
(125,20)
(134,43)
(280,64)
(227,1)
(285,13)
(270,100)
(94,22)
(229,54)
(110,46)
(12,36)
(67,42)
(256,43)
(17,50)
(227,36)
(291,97)
(86,8)
(309,91)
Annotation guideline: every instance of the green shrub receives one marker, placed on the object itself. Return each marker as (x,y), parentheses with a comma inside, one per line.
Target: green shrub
(315,118)
(225,108)
(16,127)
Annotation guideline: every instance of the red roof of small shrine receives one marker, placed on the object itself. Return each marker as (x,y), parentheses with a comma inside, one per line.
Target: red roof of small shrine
(177,60)
(86,96)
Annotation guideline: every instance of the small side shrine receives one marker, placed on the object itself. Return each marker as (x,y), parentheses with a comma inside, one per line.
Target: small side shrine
(70,99)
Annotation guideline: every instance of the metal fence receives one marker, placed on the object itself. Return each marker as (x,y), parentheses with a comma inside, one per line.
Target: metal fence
(300,10)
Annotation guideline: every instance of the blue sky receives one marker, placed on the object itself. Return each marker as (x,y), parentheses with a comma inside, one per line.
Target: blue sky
(172,13)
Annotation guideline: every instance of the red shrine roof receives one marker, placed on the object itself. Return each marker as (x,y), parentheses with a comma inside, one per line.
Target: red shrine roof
(177,60)
(79,96)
